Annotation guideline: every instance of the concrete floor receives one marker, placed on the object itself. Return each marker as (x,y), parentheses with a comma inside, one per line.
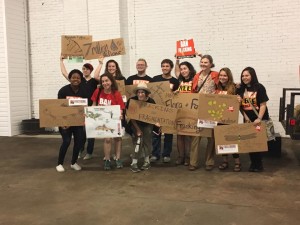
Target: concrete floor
(32,192)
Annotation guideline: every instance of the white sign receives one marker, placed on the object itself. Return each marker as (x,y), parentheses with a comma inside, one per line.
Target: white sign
(78,101)
(103,121)
(225,149)
(206,123)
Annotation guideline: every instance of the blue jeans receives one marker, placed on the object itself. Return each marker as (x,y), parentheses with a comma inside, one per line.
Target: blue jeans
(66,134)
(156,145)
(90,143)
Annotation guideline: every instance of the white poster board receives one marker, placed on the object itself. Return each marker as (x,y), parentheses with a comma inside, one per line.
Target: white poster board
(103,121)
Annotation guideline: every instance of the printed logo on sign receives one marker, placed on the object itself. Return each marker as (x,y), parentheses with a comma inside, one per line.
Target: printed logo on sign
(225,149)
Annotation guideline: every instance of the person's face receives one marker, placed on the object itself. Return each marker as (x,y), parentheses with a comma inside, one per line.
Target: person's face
(141,66)
(106,83)
(184,71)
(223,77)
(166,68)
(112,68)
(141,95)
(86,72)
(75,79)
(246,77)
(205,64)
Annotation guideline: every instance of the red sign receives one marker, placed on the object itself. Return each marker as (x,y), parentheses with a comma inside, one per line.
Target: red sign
(185,49)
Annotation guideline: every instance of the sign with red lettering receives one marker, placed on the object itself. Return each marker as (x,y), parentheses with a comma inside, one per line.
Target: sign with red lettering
(185,49)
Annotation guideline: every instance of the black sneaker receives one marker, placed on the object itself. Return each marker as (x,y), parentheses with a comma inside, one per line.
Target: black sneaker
(107,165)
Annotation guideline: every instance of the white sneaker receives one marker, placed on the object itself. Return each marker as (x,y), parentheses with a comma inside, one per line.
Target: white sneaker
(153,158)
(166,159)
(75,166)
(80,155)
(60,168)
(87,156)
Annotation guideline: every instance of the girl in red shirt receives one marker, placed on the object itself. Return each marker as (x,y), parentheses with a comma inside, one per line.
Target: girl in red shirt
(108,94)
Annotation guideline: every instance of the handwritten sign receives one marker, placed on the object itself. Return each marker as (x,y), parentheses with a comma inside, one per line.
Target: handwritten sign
(185,49)
(103,121)
(240,138)
(72,45)
(121,87)
(112,47)
(221,108)
(151,113)
(158,91)
(187,115)
(56,112)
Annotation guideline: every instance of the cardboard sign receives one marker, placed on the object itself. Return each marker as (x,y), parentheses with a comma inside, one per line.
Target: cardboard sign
(106,48)
(182,100)
(151,113)
(185,49)
(121,87)
(186,122)
(103,121)
(158,91)
(221,108)
(72,45)
(187,115)
(240,138)
(56,112)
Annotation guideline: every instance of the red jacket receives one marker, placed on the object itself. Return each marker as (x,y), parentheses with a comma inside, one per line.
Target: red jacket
(213,74)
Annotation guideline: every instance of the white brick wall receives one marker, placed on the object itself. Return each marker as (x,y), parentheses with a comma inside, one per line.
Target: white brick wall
(4,112)
(264,35)
(16,80)
(237,34)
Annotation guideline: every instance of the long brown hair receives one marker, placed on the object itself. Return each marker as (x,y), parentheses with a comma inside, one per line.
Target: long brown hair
(114,85)
(230,86)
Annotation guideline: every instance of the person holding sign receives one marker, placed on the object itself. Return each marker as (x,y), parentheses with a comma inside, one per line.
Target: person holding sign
(226,86)
(90,84)
(166,67)
(72,90)
(141,76)
(108,94)
(142,132)
(204,82)
(185,78)
(113,68)
(254,106)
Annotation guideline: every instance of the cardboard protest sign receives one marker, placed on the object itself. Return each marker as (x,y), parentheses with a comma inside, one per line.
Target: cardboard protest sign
(103,121)
(106,48)
(186,122)
(182,100)
(72,45)
(158,91)
(57,112)
(240,138)
(185,49)
(121,87)
(151,113)
(187,115)
(221,108)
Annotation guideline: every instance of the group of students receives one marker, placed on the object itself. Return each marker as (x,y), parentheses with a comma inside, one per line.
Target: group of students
(147,137)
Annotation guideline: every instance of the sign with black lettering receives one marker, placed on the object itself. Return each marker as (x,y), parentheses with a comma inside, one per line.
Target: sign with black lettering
(151,113)
(111,47)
